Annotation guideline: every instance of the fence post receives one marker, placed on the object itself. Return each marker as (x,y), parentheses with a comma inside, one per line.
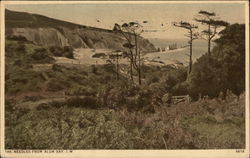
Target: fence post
(188,99)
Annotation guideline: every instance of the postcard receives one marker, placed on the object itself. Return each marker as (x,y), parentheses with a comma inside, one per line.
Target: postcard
(125,79)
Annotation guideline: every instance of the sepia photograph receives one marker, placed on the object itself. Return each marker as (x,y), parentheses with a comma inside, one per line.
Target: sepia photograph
(110,75)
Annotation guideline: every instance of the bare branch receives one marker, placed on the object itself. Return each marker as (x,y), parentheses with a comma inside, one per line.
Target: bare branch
(206,13)
(214,33)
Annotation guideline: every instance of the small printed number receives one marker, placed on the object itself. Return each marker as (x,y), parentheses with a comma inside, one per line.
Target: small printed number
(240,151)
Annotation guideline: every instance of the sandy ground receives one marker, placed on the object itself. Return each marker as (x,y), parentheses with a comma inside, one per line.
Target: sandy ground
(167,57)
(84,57)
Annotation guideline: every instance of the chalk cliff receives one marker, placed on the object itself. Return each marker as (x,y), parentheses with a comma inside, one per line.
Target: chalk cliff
(46,31)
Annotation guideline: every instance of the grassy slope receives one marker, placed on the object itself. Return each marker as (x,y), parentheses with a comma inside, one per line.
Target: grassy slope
(80,128)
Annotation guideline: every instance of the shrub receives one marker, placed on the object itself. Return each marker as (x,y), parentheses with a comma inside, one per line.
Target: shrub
(109,68)
(56,51)
(94,69)
(99,55)
(57,104)
(43,106)
(9,104)
(152,79)
(180,89)
(13,49)
(115,97)
(22,49)
(88,101)
(32,98)
(17,62)
(68,52)
(9,50)
(224,68)
(41,55)
(56,85)
(57,67)
(17,38)
(82,90)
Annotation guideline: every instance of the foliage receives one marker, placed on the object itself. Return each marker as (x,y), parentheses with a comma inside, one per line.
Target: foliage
(82,90)
(88,101)
(40,54)
(225,69)
(209,124)
(56,85)
(99,55)
(97,111)
(66,51)
(23,19)
(22,80)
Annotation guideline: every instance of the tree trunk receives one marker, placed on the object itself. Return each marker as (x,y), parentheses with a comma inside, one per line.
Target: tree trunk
(139,65)
(190,56)
(136,52)
(209,39)
(131,69)
(209,45)
(117,66)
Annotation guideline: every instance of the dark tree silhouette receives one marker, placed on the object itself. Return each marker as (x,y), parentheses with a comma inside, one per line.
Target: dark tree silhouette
(192,35)
(209,19)
(131,31)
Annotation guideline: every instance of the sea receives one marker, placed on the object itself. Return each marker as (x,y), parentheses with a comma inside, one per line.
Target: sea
(181,54)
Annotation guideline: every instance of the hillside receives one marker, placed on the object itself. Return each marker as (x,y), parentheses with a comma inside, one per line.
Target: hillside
(47,31)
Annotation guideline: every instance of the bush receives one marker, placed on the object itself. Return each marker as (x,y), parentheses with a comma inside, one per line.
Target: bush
(88,101)
(82,90)
(56,51)
(183,126)
(122,94)
(43,106)
(99,55)
(224,68)
(56,85)
(152,79)
(22,80)
(9,105)
(109,68)
(32,98)
(57,104)
(17,38)
(22,49)
(57,67)
(66,51)
(13,50)
(180,89)
(94,69)
(41,55)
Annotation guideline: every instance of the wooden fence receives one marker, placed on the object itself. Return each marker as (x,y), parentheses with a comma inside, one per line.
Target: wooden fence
(178,99)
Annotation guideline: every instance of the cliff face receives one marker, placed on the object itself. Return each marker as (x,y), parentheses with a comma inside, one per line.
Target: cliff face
(64,33)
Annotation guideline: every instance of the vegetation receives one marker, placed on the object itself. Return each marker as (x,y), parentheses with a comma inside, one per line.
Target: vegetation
(210,19)
(224,69)
(66,51)
(179,127)
(131,31)
(192,35)
(23,19)
(88,107)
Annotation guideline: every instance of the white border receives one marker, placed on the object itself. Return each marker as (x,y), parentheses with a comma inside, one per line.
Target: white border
(129,153)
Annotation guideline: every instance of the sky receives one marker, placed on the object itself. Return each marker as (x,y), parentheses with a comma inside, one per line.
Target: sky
(156,14)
